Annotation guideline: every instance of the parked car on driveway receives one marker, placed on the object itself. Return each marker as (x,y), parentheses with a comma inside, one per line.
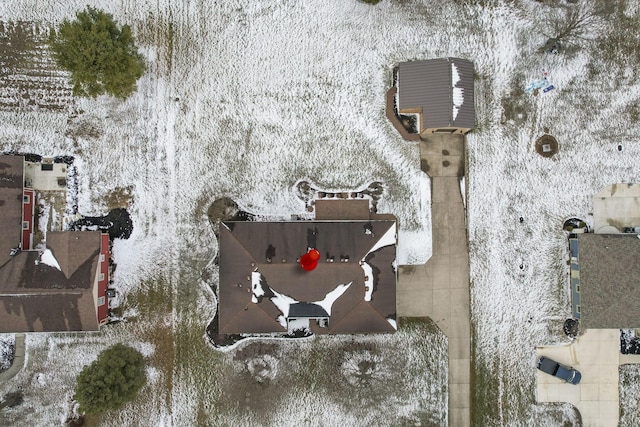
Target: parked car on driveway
(559,370)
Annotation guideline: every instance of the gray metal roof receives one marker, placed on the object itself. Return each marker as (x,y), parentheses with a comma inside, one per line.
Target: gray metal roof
(428,85)
(609,280)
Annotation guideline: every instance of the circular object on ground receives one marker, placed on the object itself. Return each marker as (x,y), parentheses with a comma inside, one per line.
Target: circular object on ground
(546,145)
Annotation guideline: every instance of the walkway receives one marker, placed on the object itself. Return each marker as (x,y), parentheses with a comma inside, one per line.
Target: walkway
(596,354)
(440,288)
(18,360)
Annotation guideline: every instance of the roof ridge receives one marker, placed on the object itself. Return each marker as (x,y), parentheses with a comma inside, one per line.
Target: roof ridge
(377,312)
(346,315)
(240,244)
(356,306)
(230,233)
(393,224)
(242,312)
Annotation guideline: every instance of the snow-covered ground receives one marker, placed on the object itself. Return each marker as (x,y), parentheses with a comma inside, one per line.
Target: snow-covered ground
(7,347)
(244,99)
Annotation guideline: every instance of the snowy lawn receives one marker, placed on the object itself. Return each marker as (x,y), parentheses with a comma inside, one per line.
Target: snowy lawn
(629,392)
(244,99)
(7,351)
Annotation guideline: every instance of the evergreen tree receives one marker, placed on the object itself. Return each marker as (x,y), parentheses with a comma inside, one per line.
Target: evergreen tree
(113,379)
(101,56)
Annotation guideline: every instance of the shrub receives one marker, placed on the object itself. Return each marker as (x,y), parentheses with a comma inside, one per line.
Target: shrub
(101,56)
(113,379)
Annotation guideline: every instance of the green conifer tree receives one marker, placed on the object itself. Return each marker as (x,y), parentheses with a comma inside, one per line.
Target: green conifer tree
(110,381)
(101,56)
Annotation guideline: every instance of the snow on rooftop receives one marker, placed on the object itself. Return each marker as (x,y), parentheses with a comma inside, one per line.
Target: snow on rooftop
(368,280)
(458,92)
(332,296)
(455,76)
(47,257)
(283,302)
(256,286)
(387,239)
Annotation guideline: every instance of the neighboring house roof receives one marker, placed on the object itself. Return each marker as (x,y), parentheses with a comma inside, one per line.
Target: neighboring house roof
(609,280)
(441,90)
(52,290)
(617,205)
(257,296)
(11,185)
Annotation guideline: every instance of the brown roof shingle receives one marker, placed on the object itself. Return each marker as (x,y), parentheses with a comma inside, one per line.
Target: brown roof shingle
(245,247)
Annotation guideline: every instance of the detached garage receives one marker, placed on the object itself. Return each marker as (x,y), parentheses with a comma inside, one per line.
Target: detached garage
(439,92)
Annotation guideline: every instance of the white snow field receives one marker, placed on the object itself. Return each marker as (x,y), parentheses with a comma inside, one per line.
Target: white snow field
(244,99)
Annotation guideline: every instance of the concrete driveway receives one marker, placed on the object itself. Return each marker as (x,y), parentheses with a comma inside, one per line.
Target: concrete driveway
(596,354)
(439,289)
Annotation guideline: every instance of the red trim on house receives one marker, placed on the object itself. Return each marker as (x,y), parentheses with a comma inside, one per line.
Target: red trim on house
(28,214)
(103,283)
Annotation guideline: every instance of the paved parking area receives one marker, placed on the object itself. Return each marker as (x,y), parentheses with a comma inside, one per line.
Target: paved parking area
(596,354)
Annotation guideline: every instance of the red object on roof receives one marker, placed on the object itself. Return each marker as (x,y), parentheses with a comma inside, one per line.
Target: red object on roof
(309,261)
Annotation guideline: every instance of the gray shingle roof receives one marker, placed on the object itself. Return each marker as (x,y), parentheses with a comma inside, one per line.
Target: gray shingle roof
(609,280)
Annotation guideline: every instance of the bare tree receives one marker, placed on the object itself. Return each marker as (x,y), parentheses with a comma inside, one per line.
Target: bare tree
(573,25)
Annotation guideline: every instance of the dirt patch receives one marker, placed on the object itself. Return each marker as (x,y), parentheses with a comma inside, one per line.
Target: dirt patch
(516,106)
(225,209)
(546,145)
(120,197)
(29,77)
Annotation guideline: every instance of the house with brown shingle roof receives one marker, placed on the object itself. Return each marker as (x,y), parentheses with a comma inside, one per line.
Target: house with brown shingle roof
(58,287)
(264,289)
(440,92)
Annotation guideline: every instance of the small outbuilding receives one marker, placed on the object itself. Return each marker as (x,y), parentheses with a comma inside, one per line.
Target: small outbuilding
(439,92)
